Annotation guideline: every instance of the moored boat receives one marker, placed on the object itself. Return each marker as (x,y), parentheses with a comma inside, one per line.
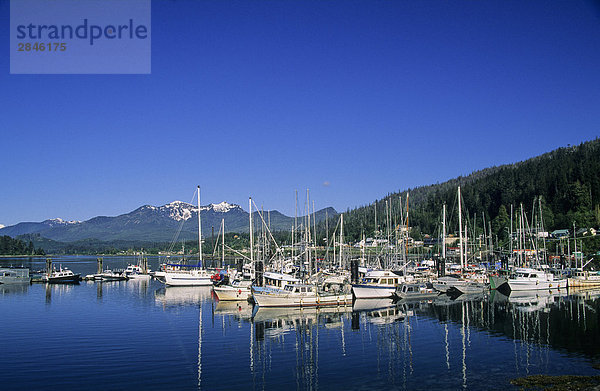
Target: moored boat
(525,279)
(237,290)
(14,276)
(61,276)
(408,291)
(584,279)
(300,295)
(379,284)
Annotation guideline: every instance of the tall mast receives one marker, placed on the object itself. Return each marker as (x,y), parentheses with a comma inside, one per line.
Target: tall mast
(295,230)
(314,226)
(511,233)
(251,234)
(542,228)
(460,235)
(444,232)
(466,245)
(199,229)
(341,236)
(223,244)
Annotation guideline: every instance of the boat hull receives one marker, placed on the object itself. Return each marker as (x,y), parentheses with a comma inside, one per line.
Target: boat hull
(583,282)
(496,282)
(231,293)
(364,291)
(187,279)
(285,300)
(72,279)
(524,285)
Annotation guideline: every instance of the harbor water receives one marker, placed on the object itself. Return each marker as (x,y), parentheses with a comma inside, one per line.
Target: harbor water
(129,335)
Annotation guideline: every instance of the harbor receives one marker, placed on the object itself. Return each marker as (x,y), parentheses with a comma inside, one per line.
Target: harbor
(185,335)
(141,333)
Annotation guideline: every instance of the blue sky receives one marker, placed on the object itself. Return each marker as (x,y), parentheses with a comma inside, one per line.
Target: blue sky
(260,98)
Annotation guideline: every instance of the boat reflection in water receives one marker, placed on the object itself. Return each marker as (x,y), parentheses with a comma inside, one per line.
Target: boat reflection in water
(240,310)
(12,289)
(444,343)
(182,295)
(58,290)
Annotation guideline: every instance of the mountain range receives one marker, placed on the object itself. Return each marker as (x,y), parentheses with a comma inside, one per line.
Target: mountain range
(156,223)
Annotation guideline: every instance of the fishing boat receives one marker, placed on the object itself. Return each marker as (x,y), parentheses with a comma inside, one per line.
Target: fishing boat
(301,295)
(237,290)
(14,276)
(525,279)
(61,276)
(379,284)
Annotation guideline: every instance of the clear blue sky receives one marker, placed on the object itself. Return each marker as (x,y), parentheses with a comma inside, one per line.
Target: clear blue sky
(259,98)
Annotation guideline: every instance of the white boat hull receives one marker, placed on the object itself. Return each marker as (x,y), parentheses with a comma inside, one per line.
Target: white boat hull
(363,291)
(524,285)
(187,279)
(290,300)
(232,293)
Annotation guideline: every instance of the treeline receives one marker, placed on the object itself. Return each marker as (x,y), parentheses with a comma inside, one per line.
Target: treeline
(564,184)
(10,246)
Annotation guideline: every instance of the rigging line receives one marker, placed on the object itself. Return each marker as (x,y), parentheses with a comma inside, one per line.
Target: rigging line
(176,236)
(237,252)
(217,242)
(265,225)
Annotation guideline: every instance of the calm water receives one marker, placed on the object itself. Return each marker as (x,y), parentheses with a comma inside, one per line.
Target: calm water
(141,335)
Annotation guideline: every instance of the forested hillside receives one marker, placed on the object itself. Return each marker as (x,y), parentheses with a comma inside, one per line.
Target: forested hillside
(567,180)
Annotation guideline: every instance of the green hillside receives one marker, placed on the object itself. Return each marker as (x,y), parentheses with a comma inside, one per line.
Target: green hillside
(566,179)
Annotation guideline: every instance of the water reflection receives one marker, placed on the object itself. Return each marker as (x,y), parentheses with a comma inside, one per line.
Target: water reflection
(182,295)
(409,336)
(58,290)
(13,289)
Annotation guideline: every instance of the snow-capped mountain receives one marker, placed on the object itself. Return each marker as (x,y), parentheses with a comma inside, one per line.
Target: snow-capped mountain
(151,223)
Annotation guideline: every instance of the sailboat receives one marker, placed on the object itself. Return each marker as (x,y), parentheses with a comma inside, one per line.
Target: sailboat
(190,275)
(459,283)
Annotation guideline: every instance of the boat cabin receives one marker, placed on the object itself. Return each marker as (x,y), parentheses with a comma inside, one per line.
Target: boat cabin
(299,289)
(382,278)
(278,280)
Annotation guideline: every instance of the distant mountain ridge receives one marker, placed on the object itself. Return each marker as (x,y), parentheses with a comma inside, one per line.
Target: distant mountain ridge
(155,223)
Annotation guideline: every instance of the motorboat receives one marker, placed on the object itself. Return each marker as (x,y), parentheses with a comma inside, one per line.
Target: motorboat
(525,279)
(62,275)
(379,284)
(237,290)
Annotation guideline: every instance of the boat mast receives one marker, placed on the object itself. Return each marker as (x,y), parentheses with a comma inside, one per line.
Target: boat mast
(295,230)
(251,234)
(199,229)
(511,233)
(444,232)
(460,236)
(223,244)
(341,237)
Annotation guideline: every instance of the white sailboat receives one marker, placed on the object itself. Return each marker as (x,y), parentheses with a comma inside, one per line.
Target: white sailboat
(460,282)
(190,276)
